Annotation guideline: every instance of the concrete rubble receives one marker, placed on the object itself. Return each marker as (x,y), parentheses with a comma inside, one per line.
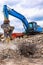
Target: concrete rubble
(22,51)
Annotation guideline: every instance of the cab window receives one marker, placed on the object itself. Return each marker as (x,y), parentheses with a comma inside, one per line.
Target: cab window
(30,25)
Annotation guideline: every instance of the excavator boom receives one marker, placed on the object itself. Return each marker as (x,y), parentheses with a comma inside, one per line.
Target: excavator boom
(8,11)
(6,27)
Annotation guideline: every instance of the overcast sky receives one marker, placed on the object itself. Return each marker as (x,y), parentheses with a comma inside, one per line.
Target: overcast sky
(31,9)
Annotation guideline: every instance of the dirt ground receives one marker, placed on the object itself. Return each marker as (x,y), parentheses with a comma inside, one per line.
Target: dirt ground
(22,51)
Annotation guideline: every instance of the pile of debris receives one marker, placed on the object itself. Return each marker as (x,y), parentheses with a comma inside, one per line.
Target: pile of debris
(9,54)
(22,49)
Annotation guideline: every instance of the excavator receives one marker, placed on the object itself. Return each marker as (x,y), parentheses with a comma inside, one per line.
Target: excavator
(30,27)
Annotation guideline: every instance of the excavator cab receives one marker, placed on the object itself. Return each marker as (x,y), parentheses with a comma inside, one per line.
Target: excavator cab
(32,27)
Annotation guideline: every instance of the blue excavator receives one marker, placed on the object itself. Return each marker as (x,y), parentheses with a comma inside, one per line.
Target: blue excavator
(30,27)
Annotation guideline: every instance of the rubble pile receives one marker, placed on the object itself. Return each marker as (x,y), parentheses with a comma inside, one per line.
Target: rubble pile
(9,54)
(28,50)
(22,51)
(32,46)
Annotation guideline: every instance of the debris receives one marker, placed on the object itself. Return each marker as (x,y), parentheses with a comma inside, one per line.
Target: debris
(27,49)
(22,51)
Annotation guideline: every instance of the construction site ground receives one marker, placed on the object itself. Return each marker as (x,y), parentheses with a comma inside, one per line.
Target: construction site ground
(22,51)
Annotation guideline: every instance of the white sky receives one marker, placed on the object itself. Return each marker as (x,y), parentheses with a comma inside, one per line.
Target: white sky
(29,8)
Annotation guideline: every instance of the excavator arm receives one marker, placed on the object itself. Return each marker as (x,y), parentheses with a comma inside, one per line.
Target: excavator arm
(6,26)
(8,11)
